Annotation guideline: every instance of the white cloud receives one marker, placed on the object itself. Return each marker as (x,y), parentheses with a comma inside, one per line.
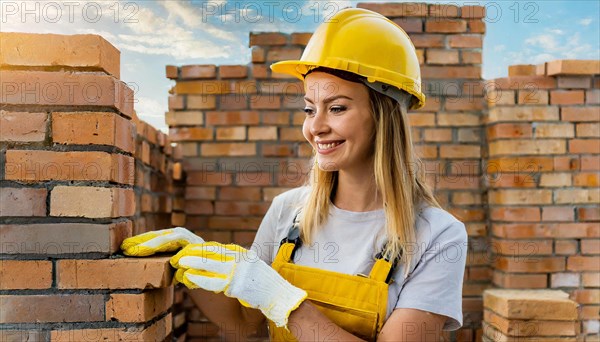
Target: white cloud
(499,48)
(544,41)
(556,31)
(585,21)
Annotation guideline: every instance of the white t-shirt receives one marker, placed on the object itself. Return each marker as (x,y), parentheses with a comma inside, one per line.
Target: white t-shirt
(350,240)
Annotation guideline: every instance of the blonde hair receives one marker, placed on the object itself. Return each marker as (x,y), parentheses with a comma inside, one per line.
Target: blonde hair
(398,178)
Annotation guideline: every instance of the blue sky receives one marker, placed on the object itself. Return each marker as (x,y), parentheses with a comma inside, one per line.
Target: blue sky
(152,34)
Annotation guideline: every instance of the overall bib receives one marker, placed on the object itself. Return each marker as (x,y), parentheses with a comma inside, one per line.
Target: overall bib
(356,303)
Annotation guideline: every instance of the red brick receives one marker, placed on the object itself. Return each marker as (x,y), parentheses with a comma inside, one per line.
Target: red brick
(275,54)
(453,72)
(143,307)
(523,249)
(408,9)
(558,213)
(465,41)
(439,10)
(588,214)
(566,97)
(590,130)
(233,71)
(428,40)
(52,308)
(300,38)
(37,165)
(84,52)
(509,130)
(237,193)
(209,178)
(583,263)
(172,72)
(92,202)
(231,133)
(142,273)
(265,101)
(23,202)
(93,128)
(197,192)
(410,25)
(61,88)
(242,223)
(267,39)
(258,55)
(22,126)
(590,246)
(260,71)
(520,281)
(580,114)
(277,150)
(530,264)
(228,149)
(573,67)
(176,102)
(435,56)
(584,146)
(471,57)
(232,118)
(445,26)
(199,207)
(565,247)
(241,208)
(473,12)
(476,26)
(38,274)
(198,71)
(526,214)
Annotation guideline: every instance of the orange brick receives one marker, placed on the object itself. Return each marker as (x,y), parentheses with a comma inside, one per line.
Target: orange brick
(199,207)
(228,149)
(37,165)
(523,249)
(530,264)
(473,12)
(52,308)
(521,70)
(242,223)
(262,133)
(237,193)
(584,146)
(520,281)
(565,247)
(275,54)
(428,40)
(555,213)
(22,201)
(590,246)
(176,102)
(574,82)
(198,71)
(172,72)
(589,214)
(22,126)
(233,71)
(471,57)
(187,118)
(580,114)
(566,97)
(583,263)
(301,38)
(267,39)
(531,83)
(453,72)
(521,196)
(258,55)
(446,26)
(277,150)
(265,101)
(232,118)
(203,101)
(588,296)
(61,88)
(241,208)
(586,179)
(591,279)
(142,273)
(527,214)
(576,196)
(231,133)
(573,67)
(551,130)
(198,192)
(439,10)
(92,202)
(38,274)
(208,178)
(509,130)
(437,134)
(465,41)
(540,147)
(588,130)
(84,52)
(408,9)
(291,134)
(410,25)
(143,307)
(476,26)
(533,97)
(457,119)
(500,97)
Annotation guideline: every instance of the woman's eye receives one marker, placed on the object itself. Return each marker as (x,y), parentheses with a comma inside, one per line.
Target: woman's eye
(337,109)
(308,111)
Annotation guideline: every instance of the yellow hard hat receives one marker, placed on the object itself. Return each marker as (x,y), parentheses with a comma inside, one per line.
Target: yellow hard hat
(365,43)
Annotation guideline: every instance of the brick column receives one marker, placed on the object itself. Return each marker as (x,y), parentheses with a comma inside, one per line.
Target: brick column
(68,190)
(543,173)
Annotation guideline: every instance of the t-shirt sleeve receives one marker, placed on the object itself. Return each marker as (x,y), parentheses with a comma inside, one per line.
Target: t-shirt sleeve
(435,284)
(264,241)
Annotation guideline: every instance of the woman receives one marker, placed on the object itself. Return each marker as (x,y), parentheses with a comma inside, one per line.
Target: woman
(366,251)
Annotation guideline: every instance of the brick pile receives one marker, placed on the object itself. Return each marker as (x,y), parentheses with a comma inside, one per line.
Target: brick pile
(79,172)
(529,315)
(543,168)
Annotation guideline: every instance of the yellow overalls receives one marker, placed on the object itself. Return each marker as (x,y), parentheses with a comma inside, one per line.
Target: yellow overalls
(355,303)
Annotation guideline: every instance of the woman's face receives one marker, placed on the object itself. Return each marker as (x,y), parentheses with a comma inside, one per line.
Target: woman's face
(338,122)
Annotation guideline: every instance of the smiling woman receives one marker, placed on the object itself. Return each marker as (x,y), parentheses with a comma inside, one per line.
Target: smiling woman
(363,251)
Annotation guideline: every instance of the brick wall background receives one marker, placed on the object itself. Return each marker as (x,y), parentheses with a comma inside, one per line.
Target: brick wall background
(517,159)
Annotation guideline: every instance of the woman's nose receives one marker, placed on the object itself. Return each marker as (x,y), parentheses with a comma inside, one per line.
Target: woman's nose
(319,124)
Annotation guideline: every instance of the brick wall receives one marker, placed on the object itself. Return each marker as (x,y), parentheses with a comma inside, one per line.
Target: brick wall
(543,130)
(79,172)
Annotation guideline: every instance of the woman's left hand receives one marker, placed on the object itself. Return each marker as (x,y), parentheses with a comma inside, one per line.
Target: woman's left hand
(238,273)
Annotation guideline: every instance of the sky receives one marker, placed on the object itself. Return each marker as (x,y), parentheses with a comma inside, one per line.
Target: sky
(153,33)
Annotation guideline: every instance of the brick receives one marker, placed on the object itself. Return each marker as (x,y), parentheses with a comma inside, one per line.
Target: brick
(301,38)
(38,274)
(510,130)
(567,82)
(22,126)
(61,88)
(584,146)
(52,308)
(576,196)
(198,192)
(191,134)
(63,238)
(500,97)
(527,214)
(521,70)
(410,25)
(204,87)
(201,101)
(143,307)
(587,296)
(465,41)
(241,223)
(209,178)
(555,213)
(586,179)
(23,202)
(176,102)
(573,67)
(37,165)
(519,281)
(580,114)
(523,249)
(232,118)
(566,97)
(22,335)
(85,52)
(453,72)
(428,40)
(555,180)
(513,181)
(187,118)
(590,246)
(92,202)
(530,264)
(445,26)
(460,151)
(231,133)
(583,263)
(591,279)
(588,130)
(142,273)
(267,39)
(552,130)
(156,332)
(262,133)
(531,83)
(172,72)
(93,128)
(539,147)
(275,54)
(469,134)
(531,304)
(437,135)
(588,214)
(267,102)
(533,97)
(564,280)
(236,193)
(473,12)
(457,119)
(228,149)
(258,56)
(435,56)
(566,163)
(198,71)
(408,9)
(276,150)
(241,208)
(249,178)
(476,26)
(592,96)
(513,327)
(439,10)
(521,196)
(233,71)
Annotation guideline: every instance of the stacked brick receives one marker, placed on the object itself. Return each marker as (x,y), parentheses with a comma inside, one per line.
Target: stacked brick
(68,197)
(529,315)
(543,172)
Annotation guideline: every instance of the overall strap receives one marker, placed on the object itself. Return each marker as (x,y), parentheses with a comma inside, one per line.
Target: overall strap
(290,244)
(384,268)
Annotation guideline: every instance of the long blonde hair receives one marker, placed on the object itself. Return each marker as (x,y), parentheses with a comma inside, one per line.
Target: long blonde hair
(398,177)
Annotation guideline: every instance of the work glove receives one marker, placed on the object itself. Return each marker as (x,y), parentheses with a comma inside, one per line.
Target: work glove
(238,273)
(165,240)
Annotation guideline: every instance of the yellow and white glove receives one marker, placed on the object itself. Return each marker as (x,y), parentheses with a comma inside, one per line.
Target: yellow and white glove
(165,240)
(238,273)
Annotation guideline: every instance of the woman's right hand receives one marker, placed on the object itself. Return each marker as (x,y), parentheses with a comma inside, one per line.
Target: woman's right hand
(165,240)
